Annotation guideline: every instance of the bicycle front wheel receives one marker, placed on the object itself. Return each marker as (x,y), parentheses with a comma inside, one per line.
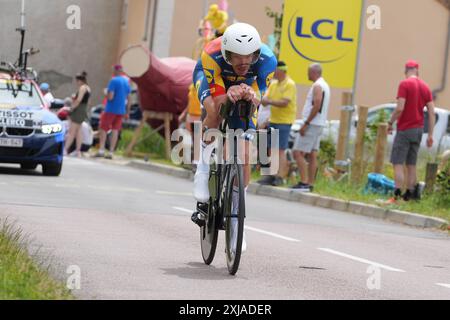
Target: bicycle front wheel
(234,214)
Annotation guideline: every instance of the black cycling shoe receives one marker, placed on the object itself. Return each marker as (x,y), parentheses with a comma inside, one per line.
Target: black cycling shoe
(407,196)
(416,195)
(195,219)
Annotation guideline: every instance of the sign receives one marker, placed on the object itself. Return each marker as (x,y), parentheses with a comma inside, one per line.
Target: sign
(325,32)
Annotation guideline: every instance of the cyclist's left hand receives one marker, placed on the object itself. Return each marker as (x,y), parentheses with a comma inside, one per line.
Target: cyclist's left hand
(235,93)
(248,92)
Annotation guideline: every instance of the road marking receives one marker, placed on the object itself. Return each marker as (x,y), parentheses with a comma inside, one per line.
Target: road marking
(183,209)
(169,193)
(445,285)
(108,188)
(348,256)
(27,183)
(275,235)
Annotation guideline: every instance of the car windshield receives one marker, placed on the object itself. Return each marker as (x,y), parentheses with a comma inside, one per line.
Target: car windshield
(18,93)
(380,115)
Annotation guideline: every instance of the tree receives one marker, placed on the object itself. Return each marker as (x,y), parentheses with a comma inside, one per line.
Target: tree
(278,24)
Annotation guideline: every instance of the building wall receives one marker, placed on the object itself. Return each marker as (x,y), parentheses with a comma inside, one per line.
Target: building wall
(406,34)
(134,30)
(64,52)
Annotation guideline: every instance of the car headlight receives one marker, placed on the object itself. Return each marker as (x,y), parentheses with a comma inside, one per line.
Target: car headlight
(51,128)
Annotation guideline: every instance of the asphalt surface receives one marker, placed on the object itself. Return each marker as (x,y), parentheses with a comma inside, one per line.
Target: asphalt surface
(129,233)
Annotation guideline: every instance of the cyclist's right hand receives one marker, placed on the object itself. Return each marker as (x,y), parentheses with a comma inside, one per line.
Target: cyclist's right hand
(235,93)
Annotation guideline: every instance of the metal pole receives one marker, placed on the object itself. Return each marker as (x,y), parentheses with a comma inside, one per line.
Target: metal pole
(205,8)
(351,108)
(22,15)
(22,33)
(361,28)
(152,36)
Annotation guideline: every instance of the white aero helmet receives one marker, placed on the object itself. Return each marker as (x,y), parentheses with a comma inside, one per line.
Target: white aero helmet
(241,38)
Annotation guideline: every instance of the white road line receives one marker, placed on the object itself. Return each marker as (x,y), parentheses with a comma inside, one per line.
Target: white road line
(348,256)
(275,235)
(183,209)
(169,193)
(445,285)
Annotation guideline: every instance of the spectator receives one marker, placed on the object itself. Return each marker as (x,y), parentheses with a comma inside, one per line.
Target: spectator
(48,97)
(315,115)
(117,107)
(282,99)
(86,130)
(191,115)
(193,112)
(263,116)
(413,95)
(78,113)
(218,19)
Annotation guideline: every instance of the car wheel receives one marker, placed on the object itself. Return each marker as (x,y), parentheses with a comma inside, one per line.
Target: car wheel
(28,166)
(52,169)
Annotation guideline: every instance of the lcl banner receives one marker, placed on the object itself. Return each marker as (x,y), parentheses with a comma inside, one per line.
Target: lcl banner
(322,31)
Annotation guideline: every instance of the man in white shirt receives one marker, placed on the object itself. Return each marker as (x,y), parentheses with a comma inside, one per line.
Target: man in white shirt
(315,114)
(48,97)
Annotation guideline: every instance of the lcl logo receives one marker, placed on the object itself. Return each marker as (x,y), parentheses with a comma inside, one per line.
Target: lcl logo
(315,32)
(331,31)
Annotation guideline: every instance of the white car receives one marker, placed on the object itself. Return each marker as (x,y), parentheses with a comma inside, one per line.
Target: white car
(441,132)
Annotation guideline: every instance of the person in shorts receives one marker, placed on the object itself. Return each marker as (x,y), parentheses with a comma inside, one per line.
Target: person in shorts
(117,107)
(413,96)
(307,143)
(282,99)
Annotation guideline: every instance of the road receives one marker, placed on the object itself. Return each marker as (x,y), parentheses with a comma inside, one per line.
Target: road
(129,233)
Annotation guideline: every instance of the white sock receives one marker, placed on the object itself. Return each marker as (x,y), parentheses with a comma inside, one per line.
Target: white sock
(203,164)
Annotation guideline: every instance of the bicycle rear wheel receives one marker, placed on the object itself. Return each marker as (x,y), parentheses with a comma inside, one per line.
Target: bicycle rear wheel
(210,231)
(234,224)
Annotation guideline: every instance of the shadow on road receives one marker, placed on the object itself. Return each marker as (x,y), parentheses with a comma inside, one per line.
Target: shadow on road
(198,270)
(17,171)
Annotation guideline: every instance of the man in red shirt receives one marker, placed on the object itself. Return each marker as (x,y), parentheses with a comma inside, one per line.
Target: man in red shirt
(413,96)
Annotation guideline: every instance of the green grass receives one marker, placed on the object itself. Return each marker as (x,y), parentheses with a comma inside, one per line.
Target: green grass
(149,142)
(22,278)
(430,205)
(150,146)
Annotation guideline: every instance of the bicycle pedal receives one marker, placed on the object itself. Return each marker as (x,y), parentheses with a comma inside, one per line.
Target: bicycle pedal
(202,207)
(197,219)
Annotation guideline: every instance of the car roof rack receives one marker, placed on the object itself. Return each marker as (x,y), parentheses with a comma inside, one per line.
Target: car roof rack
(16,73)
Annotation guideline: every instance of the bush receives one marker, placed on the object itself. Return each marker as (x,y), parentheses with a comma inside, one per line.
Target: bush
(327,152)
(443,185)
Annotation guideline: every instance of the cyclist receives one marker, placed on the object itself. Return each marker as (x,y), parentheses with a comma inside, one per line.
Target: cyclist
(236,66)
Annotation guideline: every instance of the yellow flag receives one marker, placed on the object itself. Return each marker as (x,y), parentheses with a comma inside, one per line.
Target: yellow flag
(325,32)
